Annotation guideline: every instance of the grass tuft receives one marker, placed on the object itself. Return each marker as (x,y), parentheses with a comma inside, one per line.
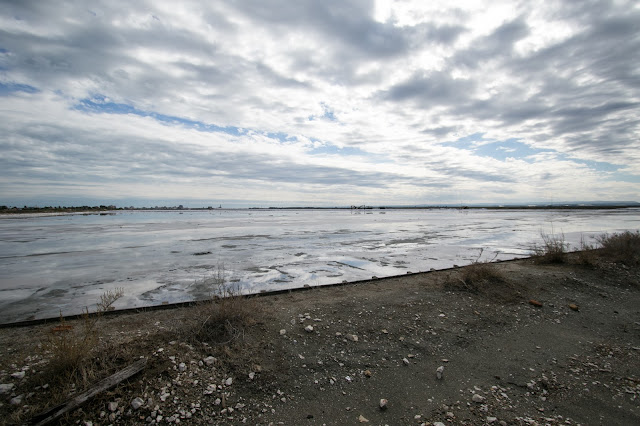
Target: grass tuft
(553,249)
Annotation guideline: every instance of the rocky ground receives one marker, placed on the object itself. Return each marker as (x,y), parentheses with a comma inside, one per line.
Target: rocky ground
(518,343)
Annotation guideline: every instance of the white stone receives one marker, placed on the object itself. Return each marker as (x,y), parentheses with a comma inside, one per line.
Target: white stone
(228,382)
(283,332)
(252,375)
(477,398)
(17,400)
(18,375)
(210,360)
(182,367)
(440,372)
(491,419)
(406,361)
(112,406)
(5,387)
(137,403)
(308,329)
(352,337)
(383,404)
(438,424)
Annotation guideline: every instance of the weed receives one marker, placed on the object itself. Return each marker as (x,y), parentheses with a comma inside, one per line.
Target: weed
(586,253)
(552,250)
(622,247)
(479,272)
(71,347)
(226,314)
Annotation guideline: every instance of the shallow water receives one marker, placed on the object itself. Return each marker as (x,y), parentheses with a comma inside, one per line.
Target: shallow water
(53,264)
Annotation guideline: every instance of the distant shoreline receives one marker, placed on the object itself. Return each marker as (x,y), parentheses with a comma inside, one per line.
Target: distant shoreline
(105,210)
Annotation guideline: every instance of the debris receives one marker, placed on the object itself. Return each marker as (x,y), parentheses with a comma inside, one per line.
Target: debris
(574,307)
(362,419)
(535,303)
(109,382)
(367,373)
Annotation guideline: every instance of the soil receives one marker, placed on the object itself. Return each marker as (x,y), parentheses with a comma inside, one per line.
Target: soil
(521,343)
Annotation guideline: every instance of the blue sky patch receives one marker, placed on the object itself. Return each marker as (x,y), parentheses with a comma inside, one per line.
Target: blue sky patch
(101,105)
(7,88)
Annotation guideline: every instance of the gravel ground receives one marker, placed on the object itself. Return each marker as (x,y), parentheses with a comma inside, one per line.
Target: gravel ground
(526,343)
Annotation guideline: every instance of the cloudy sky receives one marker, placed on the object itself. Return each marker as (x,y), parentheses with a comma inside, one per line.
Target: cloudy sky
(307,102)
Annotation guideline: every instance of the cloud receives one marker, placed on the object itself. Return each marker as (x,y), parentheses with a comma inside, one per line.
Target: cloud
(320,102)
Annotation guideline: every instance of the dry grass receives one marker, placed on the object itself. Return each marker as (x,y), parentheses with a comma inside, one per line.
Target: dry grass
(224,318)
(478,274)
(621,247)
(553,249)
(72,349)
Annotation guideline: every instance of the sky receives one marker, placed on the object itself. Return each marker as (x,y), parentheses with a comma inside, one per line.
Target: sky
(318,103)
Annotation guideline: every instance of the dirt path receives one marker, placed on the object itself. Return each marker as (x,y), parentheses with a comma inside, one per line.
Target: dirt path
(329,355)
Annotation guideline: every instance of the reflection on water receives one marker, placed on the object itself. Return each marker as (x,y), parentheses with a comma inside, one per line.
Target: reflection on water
(53,264)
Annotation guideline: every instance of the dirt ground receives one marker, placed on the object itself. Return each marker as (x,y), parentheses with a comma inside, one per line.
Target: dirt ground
(329,355)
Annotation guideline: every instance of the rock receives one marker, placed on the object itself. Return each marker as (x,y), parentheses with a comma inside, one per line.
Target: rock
(18,375)
(440,372)
(574,307)
(367,373)
(406,361)
(362,419)
(5,387)
(252,375)
(182,367)
(535,303)
(137,403)
(491,419)
(383,404)
(283,332)
(17,400)
(210,360)
(438,424)
(112,406)
(477,398)
(352,337)
(229,381)
(309,329)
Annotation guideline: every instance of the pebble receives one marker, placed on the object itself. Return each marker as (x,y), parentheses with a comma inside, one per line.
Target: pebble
(440,372)
(137,403)
(438,424)
(352,337)
(16,400)
(406,361)
(252,375)
(112,406)
(491,419)
(18,375)
(383,404)
(308,329)
(477,398)
(229,381)
(210,360)
(5,387)
(283,332)
(182,367)
(362,419)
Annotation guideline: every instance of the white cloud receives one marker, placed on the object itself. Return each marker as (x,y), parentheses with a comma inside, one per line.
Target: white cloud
(319,102)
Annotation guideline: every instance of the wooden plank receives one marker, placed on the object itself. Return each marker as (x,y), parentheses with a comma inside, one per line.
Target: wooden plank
(58,411)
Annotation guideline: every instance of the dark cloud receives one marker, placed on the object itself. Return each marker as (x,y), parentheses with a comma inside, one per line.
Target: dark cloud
(430,90)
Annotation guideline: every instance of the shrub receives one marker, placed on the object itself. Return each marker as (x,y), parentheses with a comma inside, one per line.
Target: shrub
(478,273)
(623,247)
(552,250)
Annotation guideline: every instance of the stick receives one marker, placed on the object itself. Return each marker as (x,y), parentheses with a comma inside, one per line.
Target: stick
(56,412)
